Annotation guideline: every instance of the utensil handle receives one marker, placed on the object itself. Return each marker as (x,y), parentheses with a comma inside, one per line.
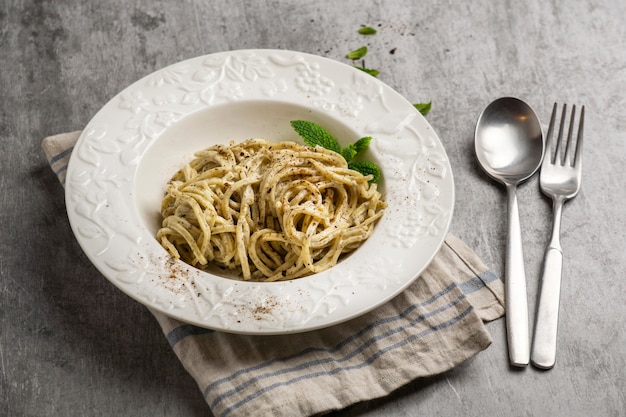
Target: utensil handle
(515,288)
(544,340)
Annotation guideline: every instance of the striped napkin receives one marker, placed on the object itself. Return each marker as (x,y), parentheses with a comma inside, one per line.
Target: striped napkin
(433,326)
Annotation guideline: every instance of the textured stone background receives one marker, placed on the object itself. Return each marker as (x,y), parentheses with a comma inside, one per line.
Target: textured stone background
(72,345)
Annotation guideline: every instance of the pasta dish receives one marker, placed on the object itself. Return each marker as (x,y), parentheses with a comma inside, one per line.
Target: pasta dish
(270,211)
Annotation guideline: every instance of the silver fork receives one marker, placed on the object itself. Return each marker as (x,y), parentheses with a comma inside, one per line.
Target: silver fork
(559,179)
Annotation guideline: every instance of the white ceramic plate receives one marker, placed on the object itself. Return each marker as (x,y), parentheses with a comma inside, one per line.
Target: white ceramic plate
(130,149)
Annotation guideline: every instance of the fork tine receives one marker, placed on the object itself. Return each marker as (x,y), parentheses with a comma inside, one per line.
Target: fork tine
(550,135)
(567,156)
(558,152)
(579,141)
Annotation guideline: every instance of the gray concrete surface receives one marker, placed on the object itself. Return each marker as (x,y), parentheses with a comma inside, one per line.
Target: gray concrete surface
(73,345)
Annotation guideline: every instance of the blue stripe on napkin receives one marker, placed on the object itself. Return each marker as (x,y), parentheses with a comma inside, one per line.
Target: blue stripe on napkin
(61,155)
(181,332)
(477,282)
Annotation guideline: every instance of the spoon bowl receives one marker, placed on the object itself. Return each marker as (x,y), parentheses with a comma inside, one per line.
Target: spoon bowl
(509,141)
(509,146)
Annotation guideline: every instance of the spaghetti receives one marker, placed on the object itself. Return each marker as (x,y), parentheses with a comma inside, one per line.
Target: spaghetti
(270,211)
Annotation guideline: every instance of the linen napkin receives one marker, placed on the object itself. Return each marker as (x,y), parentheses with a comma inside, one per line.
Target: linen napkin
(431,327)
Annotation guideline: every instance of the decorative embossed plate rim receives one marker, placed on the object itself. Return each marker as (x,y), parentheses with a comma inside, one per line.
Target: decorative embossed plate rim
(125,155)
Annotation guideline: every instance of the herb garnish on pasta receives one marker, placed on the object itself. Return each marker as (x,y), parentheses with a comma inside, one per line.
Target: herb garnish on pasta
(315,135)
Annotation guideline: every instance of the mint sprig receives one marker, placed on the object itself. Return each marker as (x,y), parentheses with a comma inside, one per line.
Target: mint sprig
(355,149)
(366,168)
(366,30)
(357,53)
(315,135)
(371,71)
(423,108)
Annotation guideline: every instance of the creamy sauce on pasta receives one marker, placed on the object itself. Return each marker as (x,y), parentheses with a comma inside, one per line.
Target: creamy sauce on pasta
(271,211)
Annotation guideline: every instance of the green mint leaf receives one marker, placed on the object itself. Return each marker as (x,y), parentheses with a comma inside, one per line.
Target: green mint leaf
(366,30)
(361,145)
(314,134)
(366,168)
(423,108)
(348,153)
(357,53)
(355,149)
(370,71)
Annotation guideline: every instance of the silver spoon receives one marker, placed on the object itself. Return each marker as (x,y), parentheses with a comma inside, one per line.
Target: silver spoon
(509,146)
